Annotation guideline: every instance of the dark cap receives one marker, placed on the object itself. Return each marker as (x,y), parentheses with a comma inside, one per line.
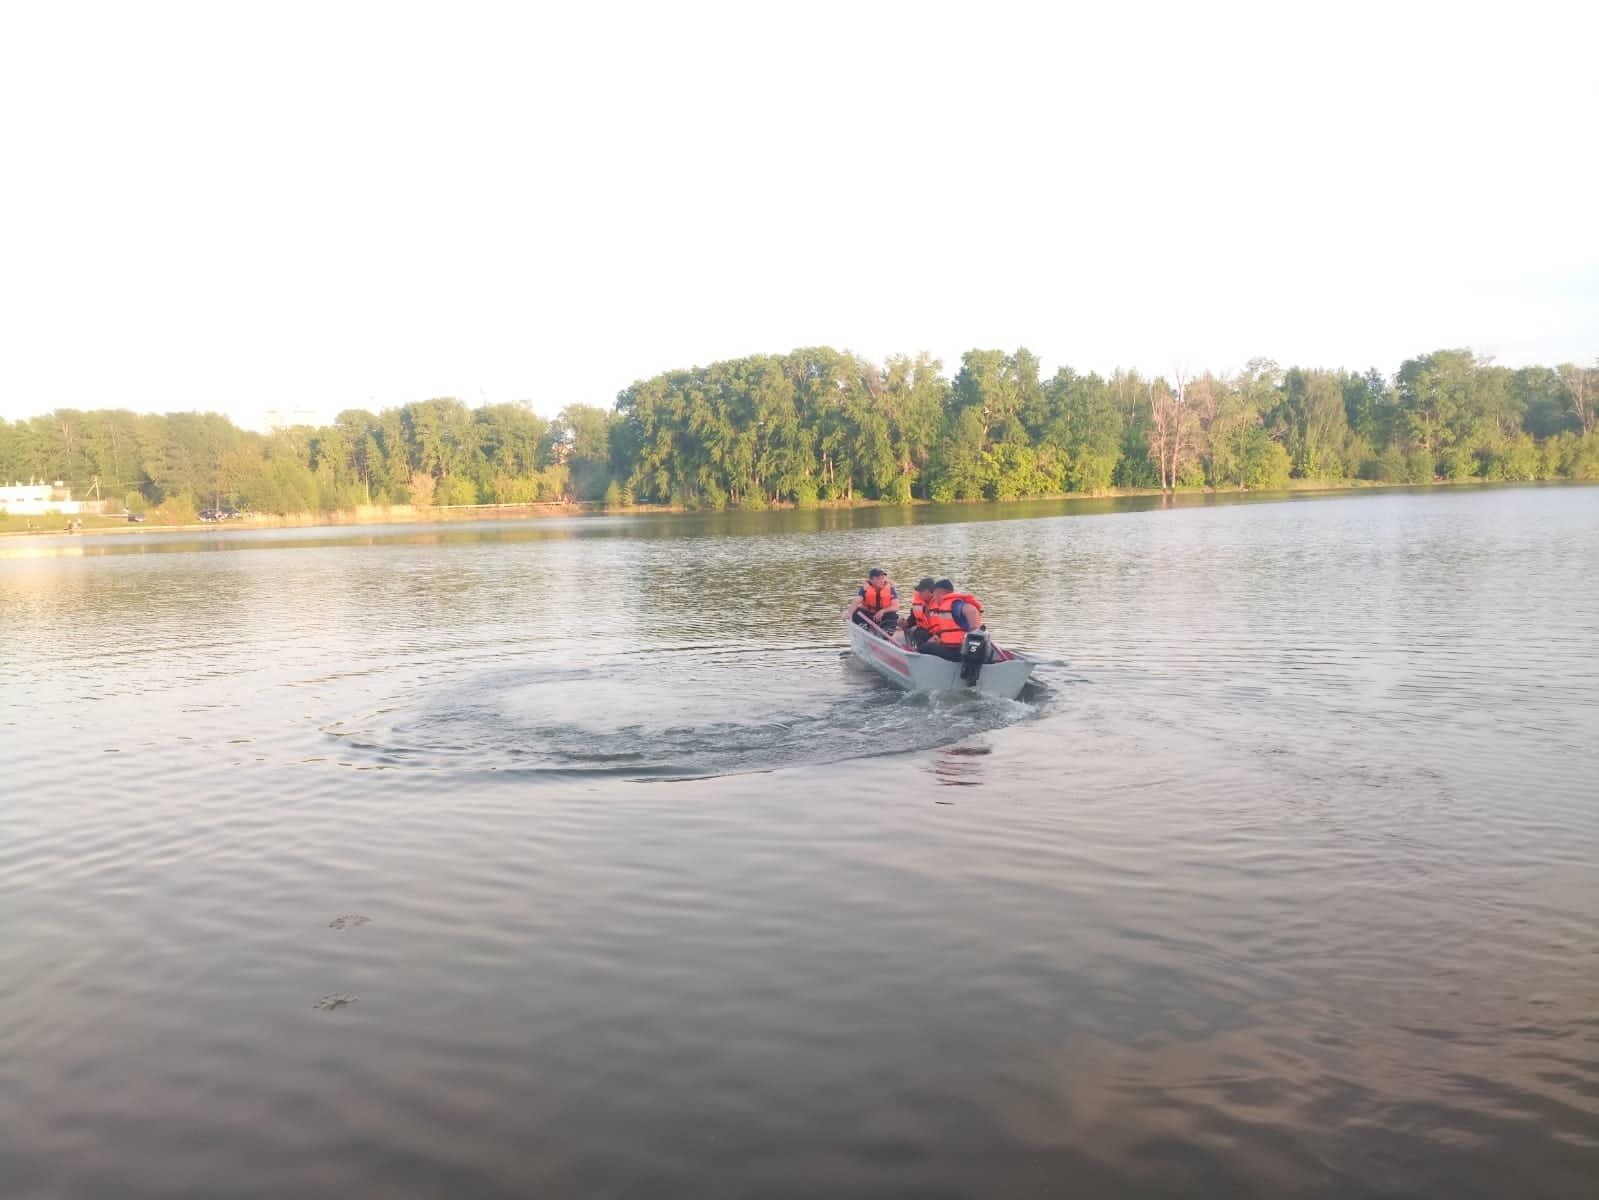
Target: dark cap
(944,585)
(875,572)
(926,585)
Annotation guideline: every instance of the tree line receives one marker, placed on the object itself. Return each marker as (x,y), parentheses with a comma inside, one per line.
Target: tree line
(820,425)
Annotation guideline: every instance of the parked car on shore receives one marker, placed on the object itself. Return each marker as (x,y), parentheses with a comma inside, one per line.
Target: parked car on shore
(136,517)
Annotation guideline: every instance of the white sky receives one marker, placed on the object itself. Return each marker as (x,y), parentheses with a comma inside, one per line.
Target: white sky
(319,206)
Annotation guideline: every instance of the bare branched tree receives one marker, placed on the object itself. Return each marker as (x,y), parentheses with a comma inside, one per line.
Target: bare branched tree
(1579,383)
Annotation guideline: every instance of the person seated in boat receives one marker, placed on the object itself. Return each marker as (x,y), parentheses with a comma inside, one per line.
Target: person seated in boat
(915,625)
(950,617)
(876,601)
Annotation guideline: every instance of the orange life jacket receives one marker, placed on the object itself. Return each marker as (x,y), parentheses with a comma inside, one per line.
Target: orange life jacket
(875,599)
(919,608)
(941,622)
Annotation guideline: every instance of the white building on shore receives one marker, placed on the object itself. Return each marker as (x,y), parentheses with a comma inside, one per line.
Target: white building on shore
(35,499)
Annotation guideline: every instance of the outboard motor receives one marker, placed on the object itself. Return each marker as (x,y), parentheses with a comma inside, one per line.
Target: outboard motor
(974,653)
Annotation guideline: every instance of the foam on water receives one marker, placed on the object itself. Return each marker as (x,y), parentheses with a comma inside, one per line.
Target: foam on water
(672,716)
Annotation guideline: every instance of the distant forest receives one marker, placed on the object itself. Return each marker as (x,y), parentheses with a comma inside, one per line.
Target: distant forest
(821,425)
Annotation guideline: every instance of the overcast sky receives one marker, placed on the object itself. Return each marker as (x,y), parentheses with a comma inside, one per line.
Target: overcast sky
(312,207)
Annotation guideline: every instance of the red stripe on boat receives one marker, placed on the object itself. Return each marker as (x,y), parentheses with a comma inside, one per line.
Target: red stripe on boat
(889,659)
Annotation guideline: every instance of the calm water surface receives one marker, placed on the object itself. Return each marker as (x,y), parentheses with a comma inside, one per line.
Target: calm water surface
(1281,882)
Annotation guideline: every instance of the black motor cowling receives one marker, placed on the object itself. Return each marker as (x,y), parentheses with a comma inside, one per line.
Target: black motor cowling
(974,653)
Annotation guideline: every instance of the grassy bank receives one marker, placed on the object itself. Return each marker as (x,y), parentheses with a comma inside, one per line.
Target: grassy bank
(405,514)
(57,523)
(399,514)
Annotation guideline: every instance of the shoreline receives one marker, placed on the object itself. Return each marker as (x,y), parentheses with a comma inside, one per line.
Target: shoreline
(405,514)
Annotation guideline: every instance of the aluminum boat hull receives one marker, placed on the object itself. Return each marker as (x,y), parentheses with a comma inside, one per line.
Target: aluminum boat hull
(929,673)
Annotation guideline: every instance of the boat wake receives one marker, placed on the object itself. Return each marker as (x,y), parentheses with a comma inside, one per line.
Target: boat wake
(609,720)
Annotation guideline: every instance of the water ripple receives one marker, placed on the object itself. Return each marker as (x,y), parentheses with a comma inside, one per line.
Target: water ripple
(1281,884)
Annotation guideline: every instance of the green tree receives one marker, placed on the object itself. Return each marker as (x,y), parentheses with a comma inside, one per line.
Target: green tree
(1316,426)
(455,490)
(585,437)
(958,467)
(819,423)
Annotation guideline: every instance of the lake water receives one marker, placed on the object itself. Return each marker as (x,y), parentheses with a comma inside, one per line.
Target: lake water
(1281,881)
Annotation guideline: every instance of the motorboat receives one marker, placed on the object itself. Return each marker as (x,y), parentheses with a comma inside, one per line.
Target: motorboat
(1004,676)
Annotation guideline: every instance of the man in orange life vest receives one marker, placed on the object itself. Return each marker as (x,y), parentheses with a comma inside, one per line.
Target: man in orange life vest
(915,625)
(877,601)
(950,617)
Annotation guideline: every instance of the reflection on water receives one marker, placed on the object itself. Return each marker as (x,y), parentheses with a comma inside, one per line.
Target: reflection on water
(954,766)
(572,858)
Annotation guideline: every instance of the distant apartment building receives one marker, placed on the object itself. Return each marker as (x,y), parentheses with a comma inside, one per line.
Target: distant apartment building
(34,499)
